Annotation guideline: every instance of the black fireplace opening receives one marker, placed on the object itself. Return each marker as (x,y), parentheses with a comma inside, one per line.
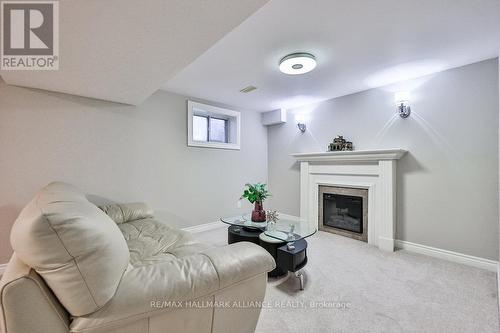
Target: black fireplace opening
(343,212)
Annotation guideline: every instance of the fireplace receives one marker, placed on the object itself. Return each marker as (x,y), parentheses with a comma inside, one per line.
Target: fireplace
(371,171)
(344,211)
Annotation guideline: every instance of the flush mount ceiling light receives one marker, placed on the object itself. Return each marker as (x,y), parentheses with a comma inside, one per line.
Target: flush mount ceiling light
(297,63)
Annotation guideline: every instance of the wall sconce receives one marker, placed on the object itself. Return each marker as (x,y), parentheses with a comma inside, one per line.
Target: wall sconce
(402,99)
(301,122)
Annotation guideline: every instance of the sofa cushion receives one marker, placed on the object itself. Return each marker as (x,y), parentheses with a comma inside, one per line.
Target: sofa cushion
(122,213)
(76,248)
(151,241)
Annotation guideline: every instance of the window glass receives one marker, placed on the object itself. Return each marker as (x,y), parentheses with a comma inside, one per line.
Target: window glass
(200,128)
(212,127)
(218,130)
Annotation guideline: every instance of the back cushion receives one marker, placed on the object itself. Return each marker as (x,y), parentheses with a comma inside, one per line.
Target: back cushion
(76,248)
(121,213)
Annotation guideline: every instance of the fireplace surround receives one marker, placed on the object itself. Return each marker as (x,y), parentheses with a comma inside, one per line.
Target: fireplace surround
(372,170)
(344,211)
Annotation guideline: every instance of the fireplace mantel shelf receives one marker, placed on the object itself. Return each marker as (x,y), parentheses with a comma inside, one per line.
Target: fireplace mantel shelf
(355,155)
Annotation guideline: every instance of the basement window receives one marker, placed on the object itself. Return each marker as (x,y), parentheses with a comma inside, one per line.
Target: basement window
(213,127)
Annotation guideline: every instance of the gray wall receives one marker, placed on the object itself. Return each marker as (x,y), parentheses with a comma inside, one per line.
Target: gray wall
(122,153)
(447,184)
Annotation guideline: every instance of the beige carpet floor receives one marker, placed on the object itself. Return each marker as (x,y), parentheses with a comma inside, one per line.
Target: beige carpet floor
(362,289)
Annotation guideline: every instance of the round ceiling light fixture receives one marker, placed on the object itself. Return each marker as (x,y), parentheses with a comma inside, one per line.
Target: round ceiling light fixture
(297,63)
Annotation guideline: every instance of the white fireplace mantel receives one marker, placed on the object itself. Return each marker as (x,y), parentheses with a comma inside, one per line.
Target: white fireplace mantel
(354,155)
(374,170)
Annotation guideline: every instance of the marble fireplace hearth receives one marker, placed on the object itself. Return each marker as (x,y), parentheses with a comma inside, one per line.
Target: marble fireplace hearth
(372,170)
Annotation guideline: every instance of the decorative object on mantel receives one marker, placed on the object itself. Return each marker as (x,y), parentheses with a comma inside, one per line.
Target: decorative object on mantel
(256,194)
(340,144)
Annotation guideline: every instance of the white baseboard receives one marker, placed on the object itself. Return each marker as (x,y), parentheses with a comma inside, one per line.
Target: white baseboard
(204,227)
(490,265)
(498,286)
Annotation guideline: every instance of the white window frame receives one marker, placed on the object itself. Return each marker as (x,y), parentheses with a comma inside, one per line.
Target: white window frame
(234,125)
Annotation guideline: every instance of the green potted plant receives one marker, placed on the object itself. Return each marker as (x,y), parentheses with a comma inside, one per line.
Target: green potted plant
(256,194)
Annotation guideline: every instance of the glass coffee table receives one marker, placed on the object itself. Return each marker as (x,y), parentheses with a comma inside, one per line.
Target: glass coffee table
(284,240)
(284,230)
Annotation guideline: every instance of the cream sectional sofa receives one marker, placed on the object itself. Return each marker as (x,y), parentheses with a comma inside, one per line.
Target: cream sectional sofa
(80,268)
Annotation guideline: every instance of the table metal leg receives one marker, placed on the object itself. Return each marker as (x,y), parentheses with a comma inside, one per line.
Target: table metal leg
(300,276)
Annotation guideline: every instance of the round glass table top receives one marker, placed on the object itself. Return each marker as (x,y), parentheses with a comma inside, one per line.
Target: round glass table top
(285,229)
(244,221)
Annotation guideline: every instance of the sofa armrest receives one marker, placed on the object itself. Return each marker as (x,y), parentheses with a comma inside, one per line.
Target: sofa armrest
(191,277)
(239,261)
(27,304)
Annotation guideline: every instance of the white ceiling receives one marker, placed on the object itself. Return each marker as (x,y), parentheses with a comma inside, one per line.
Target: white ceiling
(124,50)
(359,44)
